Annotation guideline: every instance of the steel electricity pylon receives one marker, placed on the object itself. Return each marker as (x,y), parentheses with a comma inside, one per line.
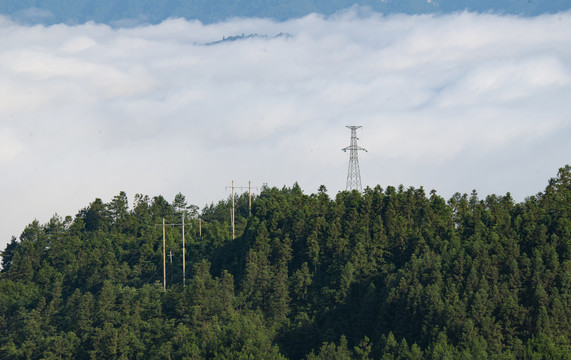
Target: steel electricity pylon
(354,174)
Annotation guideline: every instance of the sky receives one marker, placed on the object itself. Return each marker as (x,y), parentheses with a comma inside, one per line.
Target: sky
(449,102)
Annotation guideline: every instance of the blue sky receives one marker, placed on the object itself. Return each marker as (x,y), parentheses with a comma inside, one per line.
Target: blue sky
(449,102)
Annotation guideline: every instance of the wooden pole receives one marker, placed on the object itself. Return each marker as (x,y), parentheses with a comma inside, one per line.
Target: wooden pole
(250,196)
(183,256)
(164,259)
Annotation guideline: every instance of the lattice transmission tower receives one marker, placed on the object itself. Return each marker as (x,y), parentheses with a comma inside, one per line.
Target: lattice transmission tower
(353,174)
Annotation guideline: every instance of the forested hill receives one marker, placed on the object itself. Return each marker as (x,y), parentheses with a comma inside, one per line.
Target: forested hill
(390,273)
(116,11)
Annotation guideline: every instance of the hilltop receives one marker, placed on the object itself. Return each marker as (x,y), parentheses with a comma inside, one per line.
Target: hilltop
(389,273)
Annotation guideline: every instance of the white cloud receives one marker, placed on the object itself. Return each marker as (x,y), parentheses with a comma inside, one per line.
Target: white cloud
(501,82)
(450,102)
(78,44)
(10,146)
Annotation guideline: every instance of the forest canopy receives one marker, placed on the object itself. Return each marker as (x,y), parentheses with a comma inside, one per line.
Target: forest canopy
(391,273)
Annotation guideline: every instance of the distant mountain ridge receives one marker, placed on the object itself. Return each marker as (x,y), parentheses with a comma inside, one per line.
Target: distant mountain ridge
(126,12)
(243,37)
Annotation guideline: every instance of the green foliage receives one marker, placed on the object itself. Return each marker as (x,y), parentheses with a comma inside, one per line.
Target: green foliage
(386,274)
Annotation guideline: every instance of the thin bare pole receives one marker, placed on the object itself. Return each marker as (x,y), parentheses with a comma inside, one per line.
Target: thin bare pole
(164,259)
(233,228)
(250,197)
(183,255)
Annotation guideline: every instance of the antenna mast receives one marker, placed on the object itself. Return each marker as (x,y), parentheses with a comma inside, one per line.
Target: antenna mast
(353,173)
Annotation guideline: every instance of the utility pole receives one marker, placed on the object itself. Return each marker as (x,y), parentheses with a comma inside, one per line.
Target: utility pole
(353,173)
(233,203)
(183,255)
(250,187)
(249,197)
(233,228)
(164,259)
(170,253)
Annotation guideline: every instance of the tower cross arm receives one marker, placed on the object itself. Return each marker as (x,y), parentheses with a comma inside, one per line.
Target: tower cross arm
(354,148)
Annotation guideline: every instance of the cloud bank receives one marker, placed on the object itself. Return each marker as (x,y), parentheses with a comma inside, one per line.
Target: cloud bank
(452,103)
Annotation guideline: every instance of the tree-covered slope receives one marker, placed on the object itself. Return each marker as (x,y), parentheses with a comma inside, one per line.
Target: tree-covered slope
(390,273)
(112,11)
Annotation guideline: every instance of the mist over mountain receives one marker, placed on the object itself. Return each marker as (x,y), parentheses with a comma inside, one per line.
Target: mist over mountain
(131,12)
